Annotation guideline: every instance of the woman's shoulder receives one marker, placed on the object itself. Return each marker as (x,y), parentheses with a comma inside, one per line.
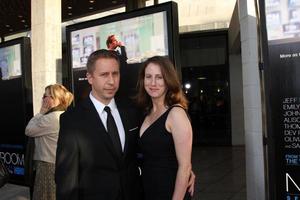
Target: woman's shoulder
(176,108)
(57,112)
(177,118)
(177,111)
(54,114)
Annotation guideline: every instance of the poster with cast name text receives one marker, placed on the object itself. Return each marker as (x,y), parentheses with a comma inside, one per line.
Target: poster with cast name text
(282,73)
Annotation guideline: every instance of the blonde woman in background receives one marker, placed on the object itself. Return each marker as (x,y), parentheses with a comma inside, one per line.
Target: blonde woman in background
(44,127)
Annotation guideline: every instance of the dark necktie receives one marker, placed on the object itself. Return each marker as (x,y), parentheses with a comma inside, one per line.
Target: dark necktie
(113,131)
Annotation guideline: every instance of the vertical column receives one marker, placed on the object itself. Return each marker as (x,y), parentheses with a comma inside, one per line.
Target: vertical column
(236,80)
(255,172)
(46,46)
(236,98)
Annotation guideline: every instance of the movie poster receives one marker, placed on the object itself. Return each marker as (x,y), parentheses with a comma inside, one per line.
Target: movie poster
(15,105)
(141,36)
(283,34)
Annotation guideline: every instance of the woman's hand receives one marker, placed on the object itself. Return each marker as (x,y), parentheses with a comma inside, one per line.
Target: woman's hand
(46,105)
(191,184)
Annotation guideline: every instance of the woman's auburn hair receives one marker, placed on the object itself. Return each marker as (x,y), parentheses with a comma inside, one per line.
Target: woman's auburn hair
(174,93)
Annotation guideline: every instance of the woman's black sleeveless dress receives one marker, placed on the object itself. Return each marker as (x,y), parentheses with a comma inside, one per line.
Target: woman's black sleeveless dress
(159,165)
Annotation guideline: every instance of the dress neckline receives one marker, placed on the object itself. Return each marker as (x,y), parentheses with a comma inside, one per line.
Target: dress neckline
(141,135)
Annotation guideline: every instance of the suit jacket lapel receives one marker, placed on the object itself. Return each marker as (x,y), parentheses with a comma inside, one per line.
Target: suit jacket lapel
(93,120)
(125,123)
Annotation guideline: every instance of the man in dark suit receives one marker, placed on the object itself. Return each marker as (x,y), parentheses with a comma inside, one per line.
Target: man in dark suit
(114,45)
(90,163)
(128,73)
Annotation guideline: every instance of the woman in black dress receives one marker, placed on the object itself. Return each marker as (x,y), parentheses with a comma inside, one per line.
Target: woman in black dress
(166,133)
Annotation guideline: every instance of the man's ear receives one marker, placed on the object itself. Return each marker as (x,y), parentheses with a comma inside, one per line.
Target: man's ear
(89,77)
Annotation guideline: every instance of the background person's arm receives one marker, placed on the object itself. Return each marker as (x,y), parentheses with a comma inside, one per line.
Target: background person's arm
(41,125)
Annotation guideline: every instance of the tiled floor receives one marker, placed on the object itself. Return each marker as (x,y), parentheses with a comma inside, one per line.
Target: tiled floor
(14,192)
(220,175)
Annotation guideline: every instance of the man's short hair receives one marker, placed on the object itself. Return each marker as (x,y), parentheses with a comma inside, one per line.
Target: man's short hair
(101,53)
(109,40)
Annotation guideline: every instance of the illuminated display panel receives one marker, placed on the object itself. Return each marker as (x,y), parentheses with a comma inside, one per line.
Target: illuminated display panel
(10,62)
(144,33)
(143,37)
